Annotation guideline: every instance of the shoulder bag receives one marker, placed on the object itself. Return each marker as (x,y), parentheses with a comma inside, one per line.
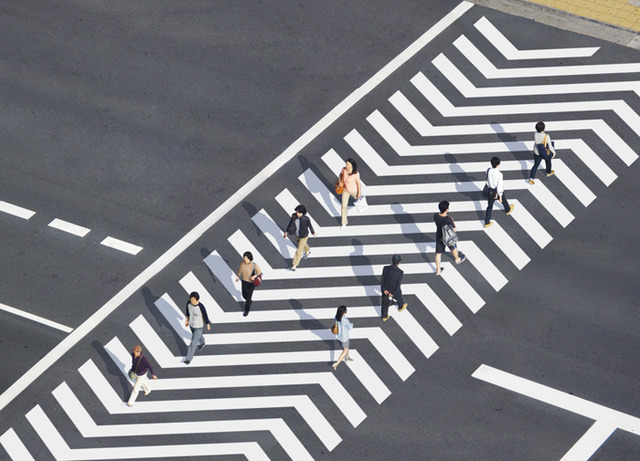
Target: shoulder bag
(133,373)
(258,280)
(334,328)
(340,183)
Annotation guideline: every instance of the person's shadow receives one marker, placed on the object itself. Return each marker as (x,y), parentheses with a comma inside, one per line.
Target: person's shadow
(112,368)
(150,301)
(410,229)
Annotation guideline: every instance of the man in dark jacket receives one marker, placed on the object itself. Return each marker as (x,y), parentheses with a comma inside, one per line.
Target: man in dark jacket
(300,225)
(390,287)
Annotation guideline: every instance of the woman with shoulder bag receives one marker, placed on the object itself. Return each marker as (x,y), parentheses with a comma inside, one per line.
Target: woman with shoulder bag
(350,178)
(249,271)
(344,326)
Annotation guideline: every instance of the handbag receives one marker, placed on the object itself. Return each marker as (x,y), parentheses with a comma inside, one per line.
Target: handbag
(543,149)
(487,191)
(334,328)
(340,183)
(258,280)
(133,373)
(361,204)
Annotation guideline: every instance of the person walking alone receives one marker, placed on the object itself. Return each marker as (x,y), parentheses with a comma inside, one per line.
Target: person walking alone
(140,365)
(495,183)
(196,319)
(390,287)
(300,225)
(344,326)
(542,149)
(441,219)
(350,177)
(248,270)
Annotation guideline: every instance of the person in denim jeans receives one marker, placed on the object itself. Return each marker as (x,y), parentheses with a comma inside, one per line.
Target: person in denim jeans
(196,319)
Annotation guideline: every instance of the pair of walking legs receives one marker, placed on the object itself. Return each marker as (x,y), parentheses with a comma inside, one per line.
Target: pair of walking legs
(536,163)
(143,382)
(247,293)
(345,203)
(303,248)
(344,355)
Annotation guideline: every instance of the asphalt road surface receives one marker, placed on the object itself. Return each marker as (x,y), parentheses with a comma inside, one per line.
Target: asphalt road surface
(138,121)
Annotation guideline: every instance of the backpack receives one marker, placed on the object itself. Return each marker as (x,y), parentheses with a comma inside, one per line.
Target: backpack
(449,236)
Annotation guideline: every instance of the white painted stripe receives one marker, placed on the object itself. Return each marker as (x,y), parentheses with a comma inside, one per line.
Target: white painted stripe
(35,318)
(483,264)
(506,48)
(121,245)
(434,304)
(530,224)
(16,210)
(166,359)
(589,443)
(14,446)
(490,71)
(194,234)
(447,109)
(273,233)
(558,398)
(599,127)
(69,227)
(327,380)
(301,403)
(508,246)
(462,288)
(88,427)
(62,452)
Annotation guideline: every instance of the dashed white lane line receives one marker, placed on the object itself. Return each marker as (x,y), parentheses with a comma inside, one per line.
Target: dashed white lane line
(35,318)
(16,210)
(69,227)
(194,234)
(121,245)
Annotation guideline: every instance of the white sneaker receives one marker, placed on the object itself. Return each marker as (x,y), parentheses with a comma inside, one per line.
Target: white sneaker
(343,227)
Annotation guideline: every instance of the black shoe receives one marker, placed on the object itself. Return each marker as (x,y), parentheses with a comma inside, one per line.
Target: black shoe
(245,313)
(200,347)
(187,362)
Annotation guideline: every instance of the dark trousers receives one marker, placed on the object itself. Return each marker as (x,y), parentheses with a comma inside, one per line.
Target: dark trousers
(385,302)
(505,203)
(247,292)
(536,163)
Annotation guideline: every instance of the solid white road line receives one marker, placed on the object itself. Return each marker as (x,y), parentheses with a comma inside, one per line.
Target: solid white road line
(121,245)
(88,427)
(599,127)
(69,227)
(506,48)
(589,443)
(327,380)
(14,446)
(16,210)
(36,318)
(62,452)
(194,234)
(302,403)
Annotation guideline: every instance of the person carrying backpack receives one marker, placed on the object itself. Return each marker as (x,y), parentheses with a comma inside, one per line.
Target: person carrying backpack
(446,227)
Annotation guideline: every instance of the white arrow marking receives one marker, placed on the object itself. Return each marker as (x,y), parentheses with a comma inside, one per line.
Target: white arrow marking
(328,381)
(88,427)
(14,446)
(599,127)
(504,46)
(62,452)
(301,403)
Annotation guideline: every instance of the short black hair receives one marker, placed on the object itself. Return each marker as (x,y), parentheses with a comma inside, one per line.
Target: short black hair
(247,254)
(353,164)
(540,127)
(194,294)
(301,209)
(495,161)
(443,206)
(395,259)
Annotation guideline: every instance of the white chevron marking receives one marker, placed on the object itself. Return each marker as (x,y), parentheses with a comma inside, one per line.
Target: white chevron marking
(62,452)
(590,441)
(88,427)
(504,46)
(301,403)
(327,380)
(599,128)
(14,446)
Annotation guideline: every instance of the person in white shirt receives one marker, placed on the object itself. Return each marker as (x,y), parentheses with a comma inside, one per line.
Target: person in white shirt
(541,142)
(495,183)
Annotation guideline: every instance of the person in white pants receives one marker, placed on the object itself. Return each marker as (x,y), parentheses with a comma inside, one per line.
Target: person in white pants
(140,365)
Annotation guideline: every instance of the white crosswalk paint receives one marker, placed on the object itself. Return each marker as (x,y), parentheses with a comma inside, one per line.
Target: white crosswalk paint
(88,427)
(589,443)
(16,210)
(506,48)
(62,452)
(14,446)
(599,127)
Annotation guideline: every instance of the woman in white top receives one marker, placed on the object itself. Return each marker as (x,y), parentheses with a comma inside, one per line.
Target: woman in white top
(541,142)
(351,180)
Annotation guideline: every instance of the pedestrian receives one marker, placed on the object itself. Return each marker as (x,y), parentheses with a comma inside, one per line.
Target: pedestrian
(248,270)
(197,318)
(344,326)
(139,367)
(441,219)
(300,225)
(390,287)
(495,182)
(543,148)
(350,178)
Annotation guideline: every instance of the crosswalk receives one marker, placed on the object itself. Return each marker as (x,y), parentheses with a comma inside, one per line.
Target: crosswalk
(404,181)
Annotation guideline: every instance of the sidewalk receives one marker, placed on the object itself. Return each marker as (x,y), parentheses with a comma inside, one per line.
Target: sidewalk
(616,21)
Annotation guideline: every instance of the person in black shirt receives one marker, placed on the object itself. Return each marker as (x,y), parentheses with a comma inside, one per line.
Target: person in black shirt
(441,219)
(390,287)
(300,225)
